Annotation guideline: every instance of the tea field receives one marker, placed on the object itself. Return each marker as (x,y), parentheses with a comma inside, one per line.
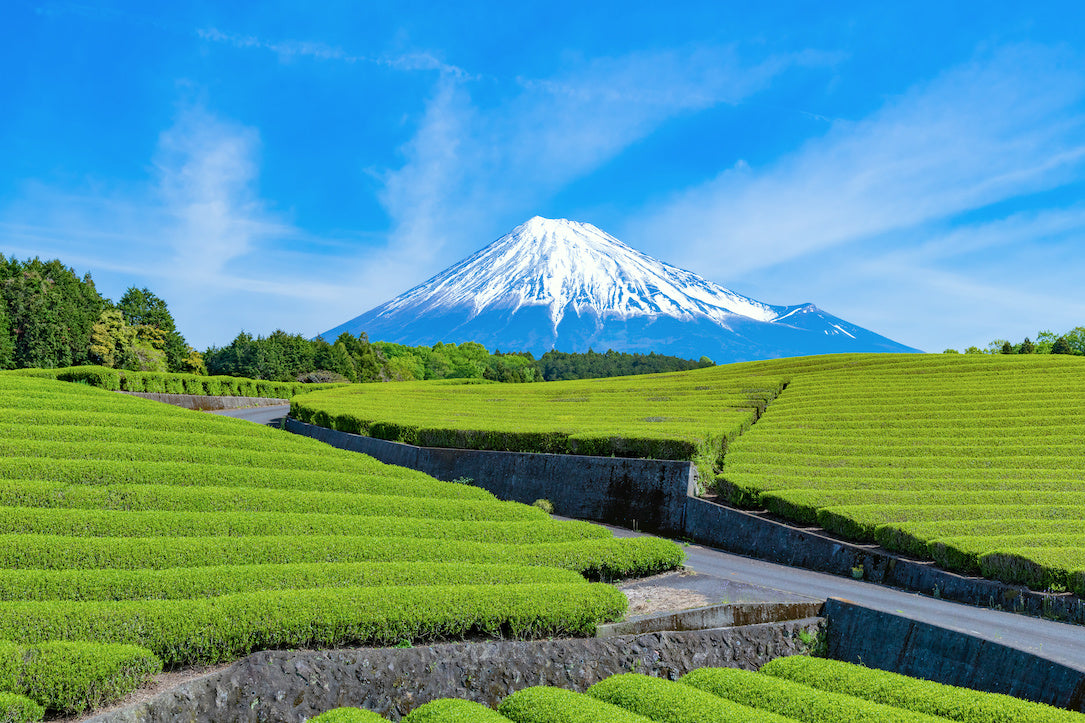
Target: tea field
(663,416)
(136,535)
(797,688)
(974,461)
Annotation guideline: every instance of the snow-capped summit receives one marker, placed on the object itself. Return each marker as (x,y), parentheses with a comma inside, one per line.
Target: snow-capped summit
(556,283)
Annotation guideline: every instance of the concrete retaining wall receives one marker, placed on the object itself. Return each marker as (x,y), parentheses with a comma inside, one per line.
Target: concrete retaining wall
(646,494)
(297,685)
(207,403)
(857,634)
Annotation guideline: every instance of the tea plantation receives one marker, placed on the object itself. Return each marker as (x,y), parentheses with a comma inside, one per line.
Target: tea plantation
(797,688)
(974,461)
(135,535)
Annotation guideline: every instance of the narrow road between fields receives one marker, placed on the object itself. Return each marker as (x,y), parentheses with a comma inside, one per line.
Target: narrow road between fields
(1061,642)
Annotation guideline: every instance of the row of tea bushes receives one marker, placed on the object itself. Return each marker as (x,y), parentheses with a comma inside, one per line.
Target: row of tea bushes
(175,383)
(796,688)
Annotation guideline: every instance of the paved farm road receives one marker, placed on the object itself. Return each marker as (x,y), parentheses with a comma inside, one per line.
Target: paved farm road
(1057,641)
(1061,642)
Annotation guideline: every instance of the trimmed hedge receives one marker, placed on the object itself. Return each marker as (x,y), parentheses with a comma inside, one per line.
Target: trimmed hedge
(543,704)
(118,523)
(922,696)
(71,677)
(175,383)
(223,628)
(794,700)
(15,708)
(222,474)
(670,702)
(180,583)
(453,710)
(610,558)
(36,493)
(349,715)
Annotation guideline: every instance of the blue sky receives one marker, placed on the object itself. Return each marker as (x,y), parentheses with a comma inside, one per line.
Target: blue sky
(917,170)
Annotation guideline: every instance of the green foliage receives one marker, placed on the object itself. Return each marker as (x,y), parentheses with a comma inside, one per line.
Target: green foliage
(349,715)
(71,677)
(453,710)
(50,312)
(203,538)
(794,700)
(15,708)
(670,702)
(179,583)
(556,365)
(543,704)
(673,416)
(869,446)
(222,628)
(1026,347)
(176,383)
(921,696)
(1061,346)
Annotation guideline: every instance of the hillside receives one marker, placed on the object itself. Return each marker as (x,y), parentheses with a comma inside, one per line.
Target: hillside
(201,538)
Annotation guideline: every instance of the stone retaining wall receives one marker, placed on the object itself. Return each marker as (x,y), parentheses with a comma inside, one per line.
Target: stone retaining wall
(294,685)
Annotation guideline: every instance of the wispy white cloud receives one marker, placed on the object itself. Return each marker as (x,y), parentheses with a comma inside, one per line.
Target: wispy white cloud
(471,166)
(995,129)
(288,50)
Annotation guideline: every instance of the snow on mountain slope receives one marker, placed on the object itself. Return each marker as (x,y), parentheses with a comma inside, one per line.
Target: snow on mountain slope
(570,286)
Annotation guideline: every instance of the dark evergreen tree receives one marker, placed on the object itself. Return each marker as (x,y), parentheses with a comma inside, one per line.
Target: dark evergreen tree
(1061,346)
(1007,348)
(1026,347)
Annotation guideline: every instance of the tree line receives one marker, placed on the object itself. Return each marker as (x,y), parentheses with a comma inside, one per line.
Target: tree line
(51,317)
(1047,342)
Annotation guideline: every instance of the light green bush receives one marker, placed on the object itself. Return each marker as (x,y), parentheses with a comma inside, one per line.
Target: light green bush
(453,710)
(543,704)
(670,702)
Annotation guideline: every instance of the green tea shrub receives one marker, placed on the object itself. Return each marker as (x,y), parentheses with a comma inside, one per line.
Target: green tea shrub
(453,710)
(349,715)
(543,704)
(670,702)
(921,696)
(16,708)
(794,700)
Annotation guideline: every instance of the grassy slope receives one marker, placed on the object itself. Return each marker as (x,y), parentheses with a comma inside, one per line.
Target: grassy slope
(202,537)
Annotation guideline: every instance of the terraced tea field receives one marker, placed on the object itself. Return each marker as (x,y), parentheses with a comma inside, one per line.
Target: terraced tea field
(796,688)
(196,538)
(662,416)
(975,461)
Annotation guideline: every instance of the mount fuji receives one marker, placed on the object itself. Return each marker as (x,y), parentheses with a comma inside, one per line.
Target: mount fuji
(560,284)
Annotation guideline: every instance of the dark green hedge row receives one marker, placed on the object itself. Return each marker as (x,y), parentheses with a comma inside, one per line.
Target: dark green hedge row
(554,442)
(794,700)
(921,696)
(191,582)
(115,523)
(70,677)
(453,710)
(171,383)
(670,702)
(15,708)
(37,493)
(105,472)
(349,715)
(543,704)
(224,628)
(610,558)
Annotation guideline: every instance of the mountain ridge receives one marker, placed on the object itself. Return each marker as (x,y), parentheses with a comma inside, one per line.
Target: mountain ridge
(556,283)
